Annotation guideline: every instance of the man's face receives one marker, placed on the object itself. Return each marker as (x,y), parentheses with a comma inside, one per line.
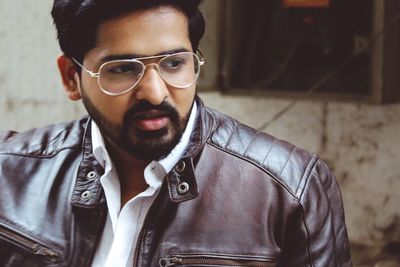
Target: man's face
(148,121)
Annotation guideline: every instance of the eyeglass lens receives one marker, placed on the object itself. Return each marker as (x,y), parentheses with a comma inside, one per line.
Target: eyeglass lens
(179,70)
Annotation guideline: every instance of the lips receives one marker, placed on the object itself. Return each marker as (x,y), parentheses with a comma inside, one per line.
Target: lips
(152,120)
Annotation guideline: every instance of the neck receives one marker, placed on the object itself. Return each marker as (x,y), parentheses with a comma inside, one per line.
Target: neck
(130,172)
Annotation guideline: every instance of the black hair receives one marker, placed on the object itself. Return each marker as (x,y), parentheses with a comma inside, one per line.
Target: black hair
(77,21)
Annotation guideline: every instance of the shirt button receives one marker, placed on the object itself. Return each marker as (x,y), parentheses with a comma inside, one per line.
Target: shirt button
(182,188)
(91,175)
(86,195)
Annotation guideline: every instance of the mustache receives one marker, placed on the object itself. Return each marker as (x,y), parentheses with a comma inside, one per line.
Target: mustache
(140,108)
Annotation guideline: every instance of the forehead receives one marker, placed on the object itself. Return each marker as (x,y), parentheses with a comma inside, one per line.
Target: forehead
(143,33)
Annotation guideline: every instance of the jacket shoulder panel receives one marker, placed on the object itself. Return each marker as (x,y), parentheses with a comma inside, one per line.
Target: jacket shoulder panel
(43,142)
(284,162)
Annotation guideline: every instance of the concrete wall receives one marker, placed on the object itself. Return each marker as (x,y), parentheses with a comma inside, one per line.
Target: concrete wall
(31,92)
(359,141)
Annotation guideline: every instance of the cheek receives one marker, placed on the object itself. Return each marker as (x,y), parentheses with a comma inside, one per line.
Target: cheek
(90,83)
(112,108)
(183,99)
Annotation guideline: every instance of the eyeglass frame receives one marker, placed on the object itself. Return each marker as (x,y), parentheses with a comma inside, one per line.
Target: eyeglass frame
(201,59)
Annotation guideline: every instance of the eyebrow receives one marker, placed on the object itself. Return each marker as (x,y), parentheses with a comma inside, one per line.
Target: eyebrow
(133,56)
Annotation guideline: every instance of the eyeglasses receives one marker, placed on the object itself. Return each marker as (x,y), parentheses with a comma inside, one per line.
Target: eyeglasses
(117,77)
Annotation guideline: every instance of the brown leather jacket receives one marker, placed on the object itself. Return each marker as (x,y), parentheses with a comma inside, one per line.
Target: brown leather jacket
(237,198)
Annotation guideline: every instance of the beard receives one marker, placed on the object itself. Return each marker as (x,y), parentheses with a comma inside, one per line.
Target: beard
(144,145)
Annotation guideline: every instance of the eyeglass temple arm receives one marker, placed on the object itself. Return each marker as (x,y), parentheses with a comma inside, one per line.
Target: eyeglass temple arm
(203,60)
(91,73)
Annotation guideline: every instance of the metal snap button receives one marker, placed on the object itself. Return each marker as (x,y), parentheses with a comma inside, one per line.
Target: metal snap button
(91,175)
(182,188)
(86,195)
(180,167)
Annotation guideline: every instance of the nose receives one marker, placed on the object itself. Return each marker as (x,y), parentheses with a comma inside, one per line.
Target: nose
(151,87)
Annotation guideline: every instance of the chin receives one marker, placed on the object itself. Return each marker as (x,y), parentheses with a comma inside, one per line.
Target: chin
(152,145)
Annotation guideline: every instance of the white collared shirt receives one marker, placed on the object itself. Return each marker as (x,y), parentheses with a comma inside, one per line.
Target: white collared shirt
(123,225)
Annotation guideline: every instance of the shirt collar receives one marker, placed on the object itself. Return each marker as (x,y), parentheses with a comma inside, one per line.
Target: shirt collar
(177,152)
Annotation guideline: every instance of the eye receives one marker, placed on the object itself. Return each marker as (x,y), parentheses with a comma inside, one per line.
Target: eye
(123,68)
(172,63)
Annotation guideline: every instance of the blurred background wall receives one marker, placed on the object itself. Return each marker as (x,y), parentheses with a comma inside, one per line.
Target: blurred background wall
(359,140)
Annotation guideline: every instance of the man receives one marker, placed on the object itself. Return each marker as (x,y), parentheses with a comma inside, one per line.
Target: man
(152,177)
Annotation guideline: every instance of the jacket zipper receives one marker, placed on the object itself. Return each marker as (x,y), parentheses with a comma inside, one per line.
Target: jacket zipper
(27,243)
(215,261)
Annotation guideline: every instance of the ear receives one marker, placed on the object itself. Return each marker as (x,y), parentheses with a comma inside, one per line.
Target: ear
(68,74)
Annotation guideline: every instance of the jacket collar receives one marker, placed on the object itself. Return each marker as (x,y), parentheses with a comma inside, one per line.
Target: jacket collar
(182,185)
(181,180)
(87,190)
(202,130)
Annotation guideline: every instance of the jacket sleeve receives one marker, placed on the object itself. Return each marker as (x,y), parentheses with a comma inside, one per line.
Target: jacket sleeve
(321,222)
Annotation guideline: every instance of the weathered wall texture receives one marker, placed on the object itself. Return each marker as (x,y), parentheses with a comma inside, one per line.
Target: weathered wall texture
(359,141)
(30,91)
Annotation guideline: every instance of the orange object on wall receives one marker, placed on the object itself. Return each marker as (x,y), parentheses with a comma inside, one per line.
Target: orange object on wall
(306,3)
